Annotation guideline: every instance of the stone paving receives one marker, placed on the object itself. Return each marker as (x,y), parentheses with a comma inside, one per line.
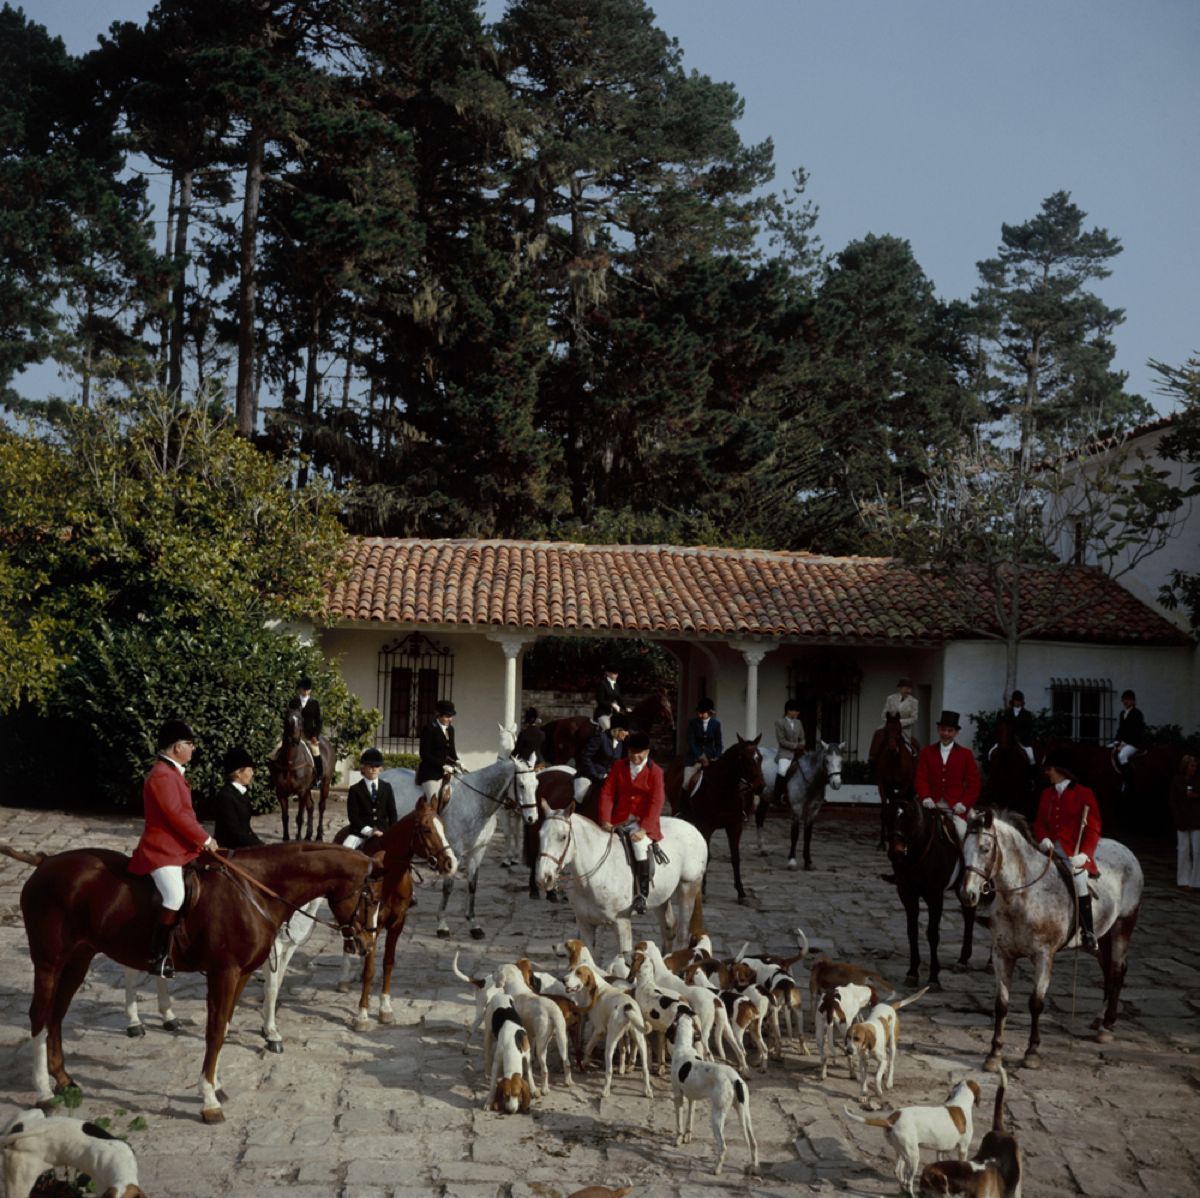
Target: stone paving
(396,1112)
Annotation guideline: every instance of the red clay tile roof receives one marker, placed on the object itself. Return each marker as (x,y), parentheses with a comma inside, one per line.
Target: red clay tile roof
(556,586)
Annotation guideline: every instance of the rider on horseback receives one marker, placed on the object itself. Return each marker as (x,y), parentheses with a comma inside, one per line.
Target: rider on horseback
(905,706)
(1068,823)
(946,772)
(604,748)
(310,716)
(1022,724)
(704,741)
(439,757)
(608,697)
(789,739)
(632,798)
(231,807)
(172,836)
(1131,735)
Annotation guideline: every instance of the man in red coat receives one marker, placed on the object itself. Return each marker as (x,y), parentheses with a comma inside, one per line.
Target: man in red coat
(946,772)
(632,797)
(1068,823)
(172,836)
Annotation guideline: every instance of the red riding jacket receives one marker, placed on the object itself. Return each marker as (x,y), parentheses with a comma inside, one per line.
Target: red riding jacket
(954,781)
(622,796)
(173,835)
(1060,816)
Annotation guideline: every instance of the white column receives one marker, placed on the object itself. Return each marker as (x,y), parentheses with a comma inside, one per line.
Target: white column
(752,655)
(512,644)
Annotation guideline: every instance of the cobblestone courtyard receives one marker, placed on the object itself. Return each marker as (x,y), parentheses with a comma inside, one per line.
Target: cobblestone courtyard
(396,1112)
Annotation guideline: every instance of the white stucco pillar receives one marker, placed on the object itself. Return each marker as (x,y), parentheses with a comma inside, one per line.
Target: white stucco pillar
(752,655)
(511,644)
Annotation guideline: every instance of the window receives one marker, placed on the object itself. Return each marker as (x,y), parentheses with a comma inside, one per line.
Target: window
(1085,706)
(826,684)
(414,673)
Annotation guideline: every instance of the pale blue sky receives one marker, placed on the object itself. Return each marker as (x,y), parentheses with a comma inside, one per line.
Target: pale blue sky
(937,120)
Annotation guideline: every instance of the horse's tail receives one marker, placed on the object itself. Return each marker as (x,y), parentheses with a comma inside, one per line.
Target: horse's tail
(34,859)
(998,1114)
(696,922)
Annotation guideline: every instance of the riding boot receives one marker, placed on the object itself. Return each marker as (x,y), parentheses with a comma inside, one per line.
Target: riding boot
(641,886)
(780,795)
(160,946)
(1087,935)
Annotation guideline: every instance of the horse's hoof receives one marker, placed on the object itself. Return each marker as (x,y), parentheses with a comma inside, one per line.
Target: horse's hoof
(808,865)
(213,1115)
(1031,1060)
(362,1025)
(387,1017)
(343,987)
(534,893)
(172,1025)
(1096,1024)
(911,979)
(275,1046)
(792,863)
(743,899)
(443,933)
(476,933)
(552,896)
(961,967)
(135,1030)
(935,987)
(1105,1036)
(992,1064)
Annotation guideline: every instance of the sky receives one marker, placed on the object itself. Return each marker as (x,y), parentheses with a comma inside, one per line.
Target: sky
(940,120)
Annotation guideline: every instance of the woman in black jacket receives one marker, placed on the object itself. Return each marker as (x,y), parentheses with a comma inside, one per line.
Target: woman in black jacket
(231,807)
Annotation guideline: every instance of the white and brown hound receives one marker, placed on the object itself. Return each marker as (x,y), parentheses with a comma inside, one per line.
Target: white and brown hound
(33,1143)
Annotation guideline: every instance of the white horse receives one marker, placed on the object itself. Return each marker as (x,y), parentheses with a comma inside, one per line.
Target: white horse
(1033,913)
(600,884)
(817,768)
(470,818)
(294,932)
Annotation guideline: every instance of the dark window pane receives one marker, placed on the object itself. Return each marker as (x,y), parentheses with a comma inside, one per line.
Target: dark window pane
(400,703)
(427,696)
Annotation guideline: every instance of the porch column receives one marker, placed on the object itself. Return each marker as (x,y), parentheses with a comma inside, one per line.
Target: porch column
(752,655)
(511,643)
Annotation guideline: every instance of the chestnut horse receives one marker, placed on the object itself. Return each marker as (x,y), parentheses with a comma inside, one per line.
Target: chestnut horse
(85,901)
(566,738)
(419,835)
(291,770)
(895,769)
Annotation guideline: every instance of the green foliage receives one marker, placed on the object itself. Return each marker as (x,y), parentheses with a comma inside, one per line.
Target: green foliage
(1046,726)
(401,761)
(575,663)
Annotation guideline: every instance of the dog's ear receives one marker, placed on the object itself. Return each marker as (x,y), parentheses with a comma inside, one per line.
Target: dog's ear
(671,1034)
(525,1097)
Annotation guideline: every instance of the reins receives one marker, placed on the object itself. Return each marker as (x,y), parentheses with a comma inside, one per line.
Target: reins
(558,861)
(509,802)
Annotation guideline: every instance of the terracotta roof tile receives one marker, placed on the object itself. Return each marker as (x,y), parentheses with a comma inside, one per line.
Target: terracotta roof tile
(664,589)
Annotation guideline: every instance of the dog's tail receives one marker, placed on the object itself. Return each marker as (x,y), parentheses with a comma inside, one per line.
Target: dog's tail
(801,942)
(998,1114)
(912,998)
(20,855)
(696,923)
(635,1016)
(869,1122)
(462,977)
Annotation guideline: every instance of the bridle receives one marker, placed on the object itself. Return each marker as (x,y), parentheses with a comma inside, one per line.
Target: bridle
(560,860)
(990,886)
(437,858)
(508,801)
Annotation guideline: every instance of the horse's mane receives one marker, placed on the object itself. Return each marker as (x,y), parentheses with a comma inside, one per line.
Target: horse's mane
(1016,821)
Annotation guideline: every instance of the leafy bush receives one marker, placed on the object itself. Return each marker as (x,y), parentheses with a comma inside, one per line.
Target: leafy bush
(574,664)
(401,761)
(1046,726)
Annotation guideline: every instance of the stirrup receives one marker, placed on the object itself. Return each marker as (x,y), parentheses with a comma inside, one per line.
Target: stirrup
(639,904)
(161,967)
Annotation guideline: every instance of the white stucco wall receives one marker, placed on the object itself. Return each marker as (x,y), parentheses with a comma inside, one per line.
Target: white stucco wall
(1165,679)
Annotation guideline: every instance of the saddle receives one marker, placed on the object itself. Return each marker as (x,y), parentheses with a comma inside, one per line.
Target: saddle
(1068,880)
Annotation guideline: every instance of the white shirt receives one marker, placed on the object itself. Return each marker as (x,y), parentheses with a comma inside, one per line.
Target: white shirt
(704,725)
(238,787)
(634,770)
(444,727)
(1061,786)
(946,751)
(172,761)
(304,700)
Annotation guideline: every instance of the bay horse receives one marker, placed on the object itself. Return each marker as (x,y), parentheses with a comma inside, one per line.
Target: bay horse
(421,836)
(923,847)
(84,901)
(726,798)
(291,771)
(566,738)
(1034,916)
(1009,780)
(600,882)
(895,769)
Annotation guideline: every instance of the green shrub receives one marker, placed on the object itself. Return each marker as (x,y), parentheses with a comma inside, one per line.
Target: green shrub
(401,761)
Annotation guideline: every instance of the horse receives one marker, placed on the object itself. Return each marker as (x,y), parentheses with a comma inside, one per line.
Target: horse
(805,792)
(895,769)
(557,786)
(726,798)
(84,901)
(476,800)
(601,887)
(419,835)
(291,770)
(1034,915)
(566,738)
(1009,774)
(924,849)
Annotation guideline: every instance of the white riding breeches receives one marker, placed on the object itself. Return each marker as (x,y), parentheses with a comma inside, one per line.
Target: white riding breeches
(604,721)
(783,763)
(430,789)
(1124,753)
(1029,754)
(641,846)
(169,880)
(689,772)
(352,841)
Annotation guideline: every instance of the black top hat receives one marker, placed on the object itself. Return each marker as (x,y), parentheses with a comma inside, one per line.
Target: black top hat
(172,731)
(791,705)
(531,716)
(371,756)
(618,721)
(636,742)
(305,683)
(1056,761)
(706,704)
(949,719)
(1017,695)
(444,707)
(609,670)
(904,682)
(235,759)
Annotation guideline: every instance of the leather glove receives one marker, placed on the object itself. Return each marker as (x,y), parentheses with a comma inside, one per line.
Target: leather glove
(959,809)
(928,803)
(1079,860)
(1046,845)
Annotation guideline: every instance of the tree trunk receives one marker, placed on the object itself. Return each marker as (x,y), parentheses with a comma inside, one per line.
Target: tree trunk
(247,294)
(164,332)
(311,383)
(179,294)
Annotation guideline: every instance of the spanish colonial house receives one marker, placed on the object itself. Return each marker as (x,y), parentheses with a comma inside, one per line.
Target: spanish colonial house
(412,621)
